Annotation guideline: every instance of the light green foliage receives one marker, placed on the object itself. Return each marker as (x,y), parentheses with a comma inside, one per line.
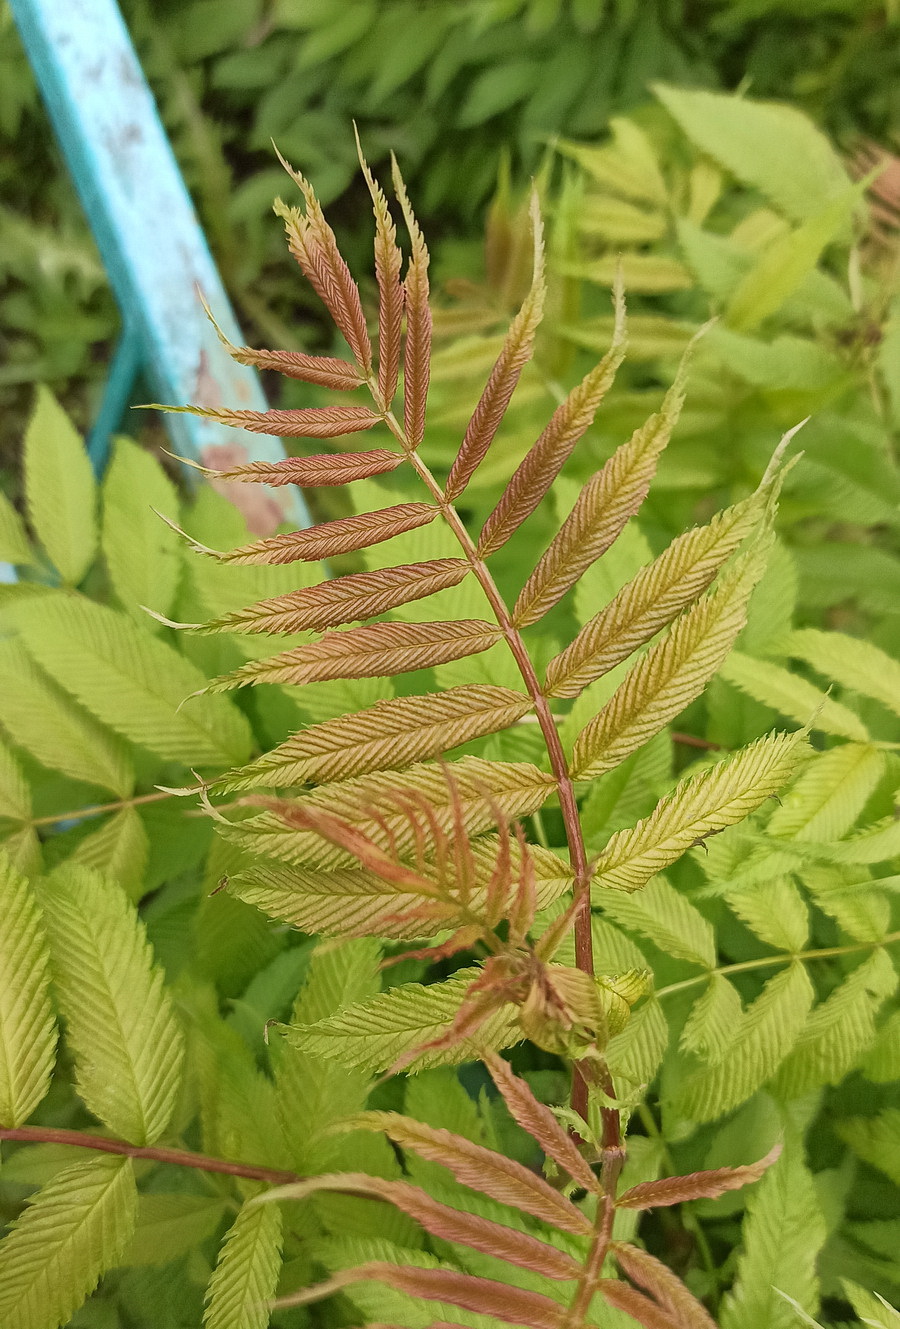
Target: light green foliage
(782,1237)
(75,1229)
(61,490)
(246,1272)
(120,1024)
(140,552)
(665,917)
(27,1026)
(876,1140)
(14,543)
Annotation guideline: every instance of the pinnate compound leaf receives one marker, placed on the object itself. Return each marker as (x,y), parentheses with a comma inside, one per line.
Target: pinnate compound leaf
(329,538)
(637,1305)
(358,903)
(374,1034)
(839,1031)
(328,468)
(782,1236)
(359,595)
(388,262)
(775,911)
(417,349)
(325,371)
(392,733)
(60,489)
(246,1273)
(700,806)
(127,1044)
(540,1123)
(855,664)
(766,1034)
(119,848)
(455,1225)
(482,1169)
(27,1026)
(670,675)
(516,352)
(73,1230)
(824,803)
(709,1029)
(40,718)
(665,916)
(466,797)
(602,510)
(131,681)
(316,422)
(792,696)
(141,552)
(366,652)
(650,601)
(543,462)
(698,1185)
(648,1272)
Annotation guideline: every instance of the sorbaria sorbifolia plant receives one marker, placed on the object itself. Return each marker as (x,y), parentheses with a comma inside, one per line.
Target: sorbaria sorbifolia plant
(387,836)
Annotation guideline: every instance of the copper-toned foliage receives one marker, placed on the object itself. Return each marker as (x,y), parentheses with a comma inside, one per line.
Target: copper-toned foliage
(327,468)
(501,385)
(697,1185)
(601,510)
(482,1169)
(312,243)
(389,734)
(326,371)
(650,601)
(669,1291)
(417,352)
(481,1234)
(388,261)
(541,465)
(344,599)
(317,422)
(368,652)
(540,1123)
(647,1312)
(330,538)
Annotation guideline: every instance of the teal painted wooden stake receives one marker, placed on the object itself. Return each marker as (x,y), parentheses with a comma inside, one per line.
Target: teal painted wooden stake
(150,240)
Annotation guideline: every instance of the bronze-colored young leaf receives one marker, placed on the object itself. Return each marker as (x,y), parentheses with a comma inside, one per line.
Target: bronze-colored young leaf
(481,1234)
(317,422)
(698,1185)
(648,1272)
(417,350)
(541,1124)
(312,243)
(347,599)
(541,465)
(328,468)
(516,352)
(326,540)
(484,1296)
(700,806)
(650,601)
(367,652)
(391,733)
(402,811)
(388,261)
(671,674)
(601,510)
(482,1169)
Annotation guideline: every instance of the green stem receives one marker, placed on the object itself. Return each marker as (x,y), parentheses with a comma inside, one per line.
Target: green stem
(98,809)
(180,1157)
(786,957)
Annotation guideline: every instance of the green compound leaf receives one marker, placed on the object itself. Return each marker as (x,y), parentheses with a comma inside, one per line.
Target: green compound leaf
(72,1231)
(371,1035)
(27,1026)
(663,915)
(15,547)
(243,1281)
(127,1044)
(766,1034)
(142,553)
(15,794)
(826,800)
(118,848)
(60,489)
(783,1234)
(43,720)
(698,807)
(710,1027)
(853,663)
(792,696)
(132,681)
(876,1140)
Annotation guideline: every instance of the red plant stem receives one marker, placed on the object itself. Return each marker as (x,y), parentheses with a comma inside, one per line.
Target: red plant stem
(180,1157)
(584,947)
